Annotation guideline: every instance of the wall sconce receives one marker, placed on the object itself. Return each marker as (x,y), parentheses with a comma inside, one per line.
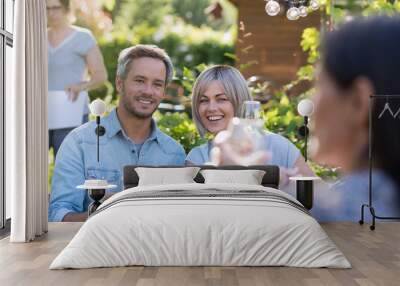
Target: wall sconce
(97,108)
(305,109)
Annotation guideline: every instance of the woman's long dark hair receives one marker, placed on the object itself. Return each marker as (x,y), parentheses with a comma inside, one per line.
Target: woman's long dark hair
(370,48)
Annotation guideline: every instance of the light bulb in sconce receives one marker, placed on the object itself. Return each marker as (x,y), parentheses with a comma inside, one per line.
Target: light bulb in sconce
(272,8)
(97,107)
(314,4)
(293,13)
(305,107)
(303,11)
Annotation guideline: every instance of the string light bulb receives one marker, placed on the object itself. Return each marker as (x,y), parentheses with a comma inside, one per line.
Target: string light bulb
(303,11)
(293,13)
(272,8)
(314,4)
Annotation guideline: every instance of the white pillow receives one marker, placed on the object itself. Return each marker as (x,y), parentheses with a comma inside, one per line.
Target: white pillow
(248,177)
(166,176)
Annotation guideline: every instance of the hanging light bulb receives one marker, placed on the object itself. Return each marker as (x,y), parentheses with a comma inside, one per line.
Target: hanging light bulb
(314,4)
(293,13)
(272,8)
(303,11)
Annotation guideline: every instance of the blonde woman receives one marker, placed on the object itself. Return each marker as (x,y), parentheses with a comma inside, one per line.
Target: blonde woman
(218,95)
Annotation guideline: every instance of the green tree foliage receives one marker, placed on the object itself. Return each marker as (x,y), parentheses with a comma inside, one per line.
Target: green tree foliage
(342,10)
(191,11)
(136,14)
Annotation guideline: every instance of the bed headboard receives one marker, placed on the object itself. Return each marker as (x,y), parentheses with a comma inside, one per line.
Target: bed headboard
(270,179)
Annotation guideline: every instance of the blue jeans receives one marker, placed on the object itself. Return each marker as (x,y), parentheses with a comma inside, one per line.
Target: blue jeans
(56,136)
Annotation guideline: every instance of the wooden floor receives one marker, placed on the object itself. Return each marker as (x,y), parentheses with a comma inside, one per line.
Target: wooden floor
(375,257)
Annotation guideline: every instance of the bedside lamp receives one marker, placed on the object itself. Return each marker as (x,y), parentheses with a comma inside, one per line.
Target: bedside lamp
(305,109)
(97,108)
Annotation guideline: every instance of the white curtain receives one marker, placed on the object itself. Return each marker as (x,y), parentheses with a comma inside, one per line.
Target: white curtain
(26,124)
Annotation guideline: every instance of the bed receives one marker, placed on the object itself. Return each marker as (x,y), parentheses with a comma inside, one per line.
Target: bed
(201,223)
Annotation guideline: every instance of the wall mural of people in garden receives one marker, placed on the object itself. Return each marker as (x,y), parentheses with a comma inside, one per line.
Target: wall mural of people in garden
(180,40)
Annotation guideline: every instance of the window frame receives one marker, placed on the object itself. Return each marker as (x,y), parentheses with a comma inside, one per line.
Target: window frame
(6,39)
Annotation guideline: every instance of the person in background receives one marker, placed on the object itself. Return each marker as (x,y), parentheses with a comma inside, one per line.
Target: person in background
(131,135)
(359,60)
(218,95)
(72,51)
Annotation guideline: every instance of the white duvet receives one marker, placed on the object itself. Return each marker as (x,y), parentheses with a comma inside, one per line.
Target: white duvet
(185,230)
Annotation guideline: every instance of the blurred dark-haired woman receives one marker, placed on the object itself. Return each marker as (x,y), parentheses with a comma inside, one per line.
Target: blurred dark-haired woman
(360,59)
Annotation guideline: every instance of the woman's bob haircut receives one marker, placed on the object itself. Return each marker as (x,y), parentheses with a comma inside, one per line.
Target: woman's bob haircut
(233,82)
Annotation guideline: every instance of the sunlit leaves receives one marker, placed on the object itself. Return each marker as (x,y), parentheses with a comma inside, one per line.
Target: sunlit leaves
(310,43)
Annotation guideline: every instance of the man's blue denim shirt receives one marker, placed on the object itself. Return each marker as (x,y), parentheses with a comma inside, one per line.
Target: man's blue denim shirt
(77,161)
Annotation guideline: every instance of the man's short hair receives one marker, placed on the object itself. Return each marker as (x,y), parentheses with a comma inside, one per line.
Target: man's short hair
(127,55)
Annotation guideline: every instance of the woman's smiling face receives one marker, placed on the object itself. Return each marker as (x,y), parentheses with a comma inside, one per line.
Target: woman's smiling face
(215,108)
